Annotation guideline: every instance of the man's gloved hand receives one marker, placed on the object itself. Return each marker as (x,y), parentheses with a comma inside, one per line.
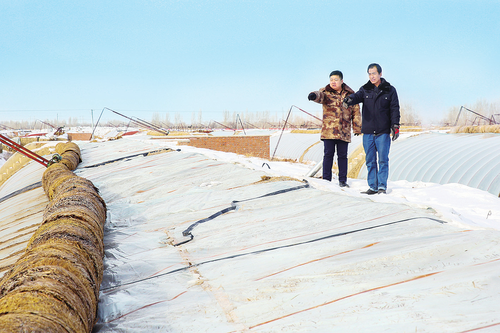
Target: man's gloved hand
(346,101)
(312,96)
(395,132)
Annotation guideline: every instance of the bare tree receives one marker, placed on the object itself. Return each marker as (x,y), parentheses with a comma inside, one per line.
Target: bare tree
(200,118)
(167,119)
(409,116)
(225,116)
(155,119)
(178,120)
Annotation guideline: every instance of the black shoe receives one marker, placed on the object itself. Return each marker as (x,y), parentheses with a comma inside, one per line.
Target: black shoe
(343,184)
(370,192)
(381,190)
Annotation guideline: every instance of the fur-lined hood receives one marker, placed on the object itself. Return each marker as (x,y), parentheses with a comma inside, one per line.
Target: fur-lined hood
(344,87)
(384,85)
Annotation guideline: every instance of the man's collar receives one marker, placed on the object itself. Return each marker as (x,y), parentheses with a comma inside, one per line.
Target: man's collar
(330,89)
(384,85)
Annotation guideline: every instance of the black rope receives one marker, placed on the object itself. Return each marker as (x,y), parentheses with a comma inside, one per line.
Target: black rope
(130,156)
(56,157)
(24,189)
(187,232)
(273,249)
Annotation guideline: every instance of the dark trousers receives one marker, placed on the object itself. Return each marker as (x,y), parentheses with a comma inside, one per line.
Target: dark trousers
(329,151)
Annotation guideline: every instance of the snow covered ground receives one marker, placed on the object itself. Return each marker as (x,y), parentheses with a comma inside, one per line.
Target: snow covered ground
(318,259)
(422,258)
(461,205)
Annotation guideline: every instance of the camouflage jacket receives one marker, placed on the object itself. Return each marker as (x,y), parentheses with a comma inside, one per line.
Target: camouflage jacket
(337,119)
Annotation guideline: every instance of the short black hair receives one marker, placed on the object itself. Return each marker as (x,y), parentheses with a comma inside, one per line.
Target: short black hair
(379,69)
(339,73)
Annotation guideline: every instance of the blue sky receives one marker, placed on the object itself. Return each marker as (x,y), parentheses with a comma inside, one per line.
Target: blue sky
(61,59)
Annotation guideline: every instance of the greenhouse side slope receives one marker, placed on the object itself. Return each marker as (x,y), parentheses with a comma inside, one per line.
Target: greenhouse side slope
(274,254)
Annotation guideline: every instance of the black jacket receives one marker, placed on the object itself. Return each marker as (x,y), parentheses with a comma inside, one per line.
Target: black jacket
(380,107)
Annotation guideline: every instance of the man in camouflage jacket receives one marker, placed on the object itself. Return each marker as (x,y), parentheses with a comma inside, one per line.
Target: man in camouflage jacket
(336,129)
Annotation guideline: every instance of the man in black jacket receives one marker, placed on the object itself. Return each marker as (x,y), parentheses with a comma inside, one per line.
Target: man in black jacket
(380,117)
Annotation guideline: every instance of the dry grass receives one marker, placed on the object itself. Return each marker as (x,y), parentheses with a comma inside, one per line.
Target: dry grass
(279,159)
(173,133)
(268,179)
(155,133)
(302,131)
(410,129)
(476,129)
(356,162)
(301,158)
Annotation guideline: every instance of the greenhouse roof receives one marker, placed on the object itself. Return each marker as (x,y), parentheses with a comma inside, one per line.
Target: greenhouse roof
(274,253)
(468,159)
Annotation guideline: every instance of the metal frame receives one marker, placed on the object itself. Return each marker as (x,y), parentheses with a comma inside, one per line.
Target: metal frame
(26,152)
(492,121)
